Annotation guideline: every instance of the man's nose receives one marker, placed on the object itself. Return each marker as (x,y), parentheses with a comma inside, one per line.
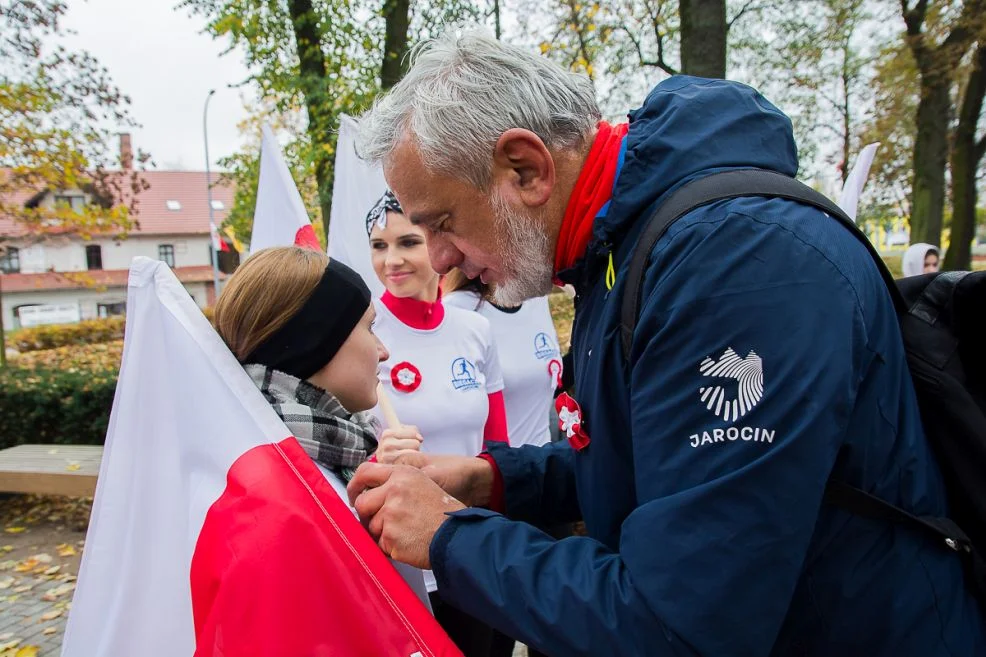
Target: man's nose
(443,255)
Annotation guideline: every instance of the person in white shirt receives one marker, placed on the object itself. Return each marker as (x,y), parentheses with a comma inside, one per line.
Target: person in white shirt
(530,359)
(442,374)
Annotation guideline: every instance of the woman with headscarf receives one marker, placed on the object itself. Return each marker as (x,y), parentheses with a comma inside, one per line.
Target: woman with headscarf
(920,259)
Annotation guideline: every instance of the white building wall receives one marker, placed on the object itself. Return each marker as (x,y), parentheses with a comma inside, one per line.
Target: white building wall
(88,300)
(70,255)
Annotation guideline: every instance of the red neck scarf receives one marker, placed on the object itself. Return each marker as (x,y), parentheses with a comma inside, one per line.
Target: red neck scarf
(592,191)
(422,315)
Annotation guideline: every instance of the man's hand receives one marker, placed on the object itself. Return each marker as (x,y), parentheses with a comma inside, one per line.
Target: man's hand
(401,508)
(466,478)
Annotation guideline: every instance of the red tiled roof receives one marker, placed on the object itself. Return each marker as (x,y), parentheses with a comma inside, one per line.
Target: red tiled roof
(94,279)
(153,215)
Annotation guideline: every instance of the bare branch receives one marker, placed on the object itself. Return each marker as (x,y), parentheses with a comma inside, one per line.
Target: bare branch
(751,5)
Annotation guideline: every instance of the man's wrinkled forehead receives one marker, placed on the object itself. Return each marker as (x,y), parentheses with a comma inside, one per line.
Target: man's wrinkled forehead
(424,194)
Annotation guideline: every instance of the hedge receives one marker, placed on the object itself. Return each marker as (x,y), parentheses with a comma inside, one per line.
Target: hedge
(90,331)
(49,406)
(87,358)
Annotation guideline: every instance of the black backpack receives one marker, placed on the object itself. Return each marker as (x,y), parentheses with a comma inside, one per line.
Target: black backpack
(943,322)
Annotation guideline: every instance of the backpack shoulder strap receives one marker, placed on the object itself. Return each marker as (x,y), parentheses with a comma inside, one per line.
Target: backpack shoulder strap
(719,187)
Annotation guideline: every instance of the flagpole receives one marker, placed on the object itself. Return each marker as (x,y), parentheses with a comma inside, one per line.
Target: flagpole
(387,408)
(208,185)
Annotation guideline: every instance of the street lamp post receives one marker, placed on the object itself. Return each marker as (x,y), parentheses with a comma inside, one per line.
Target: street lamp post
(208,185)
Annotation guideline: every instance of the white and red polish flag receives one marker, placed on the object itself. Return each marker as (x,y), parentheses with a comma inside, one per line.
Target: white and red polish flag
(218,243)
(356,188)
(213,533)
(279,217)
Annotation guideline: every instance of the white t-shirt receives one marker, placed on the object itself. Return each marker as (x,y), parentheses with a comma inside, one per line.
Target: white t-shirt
(444,376)
(530,359)
(443,379)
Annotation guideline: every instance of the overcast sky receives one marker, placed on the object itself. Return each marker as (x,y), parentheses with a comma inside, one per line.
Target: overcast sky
(159,57)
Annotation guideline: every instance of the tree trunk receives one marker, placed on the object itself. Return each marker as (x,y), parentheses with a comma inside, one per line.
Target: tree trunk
(312,81)
(935,110)
(703,37)
(930,158)
(396,14)
(965,161)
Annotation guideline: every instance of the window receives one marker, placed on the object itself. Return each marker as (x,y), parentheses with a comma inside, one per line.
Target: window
(166,253)
(111,309)
(174,206)
(218,205)
(77,203)
(10,260)
(94,257)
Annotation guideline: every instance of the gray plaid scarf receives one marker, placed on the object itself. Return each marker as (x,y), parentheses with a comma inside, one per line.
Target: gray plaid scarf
(331,435)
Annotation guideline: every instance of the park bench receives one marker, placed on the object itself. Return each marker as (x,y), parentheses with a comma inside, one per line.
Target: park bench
(50,469)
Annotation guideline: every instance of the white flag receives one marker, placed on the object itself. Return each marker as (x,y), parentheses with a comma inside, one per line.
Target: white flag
(356,189)
(279,217)
(856,180)
(213,532)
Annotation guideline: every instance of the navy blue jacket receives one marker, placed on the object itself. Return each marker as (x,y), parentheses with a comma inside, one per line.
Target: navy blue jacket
(767,358)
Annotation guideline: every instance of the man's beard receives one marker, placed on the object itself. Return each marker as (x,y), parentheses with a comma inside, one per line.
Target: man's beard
(523,244)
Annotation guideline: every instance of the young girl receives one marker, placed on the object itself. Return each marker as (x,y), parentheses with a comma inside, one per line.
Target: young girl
(442,375)
(301,327)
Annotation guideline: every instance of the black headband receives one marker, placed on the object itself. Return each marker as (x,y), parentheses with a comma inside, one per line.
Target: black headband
(310,339)
(377,216)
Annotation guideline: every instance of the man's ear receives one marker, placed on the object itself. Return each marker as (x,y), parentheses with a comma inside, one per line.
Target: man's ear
(523,167)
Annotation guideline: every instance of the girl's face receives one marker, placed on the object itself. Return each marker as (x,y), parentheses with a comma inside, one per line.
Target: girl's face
(400,259)
(931,262)
(351,375)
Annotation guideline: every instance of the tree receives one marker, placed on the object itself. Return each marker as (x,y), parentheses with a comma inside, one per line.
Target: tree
(967,153)
(818,66)
(321,57)
(397,18)
(58,109)
(935,62)
(703,37)
(896,92)
(303,54)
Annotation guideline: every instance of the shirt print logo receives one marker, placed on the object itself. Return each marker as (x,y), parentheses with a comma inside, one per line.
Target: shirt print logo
(746,372)
(463,375)
(544,346)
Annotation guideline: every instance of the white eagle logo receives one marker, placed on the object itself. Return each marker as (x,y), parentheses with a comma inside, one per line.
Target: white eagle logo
(748,374)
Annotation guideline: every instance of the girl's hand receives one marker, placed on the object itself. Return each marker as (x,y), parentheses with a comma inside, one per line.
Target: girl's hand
(394,442)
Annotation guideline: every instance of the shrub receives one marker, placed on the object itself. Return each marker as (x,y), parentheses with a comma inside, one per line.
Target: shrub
(54,406)
(90,331)
(87,358)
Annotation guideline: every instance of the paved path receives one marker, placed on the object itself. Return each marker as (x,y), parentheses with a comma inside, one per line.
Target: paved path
(33,611)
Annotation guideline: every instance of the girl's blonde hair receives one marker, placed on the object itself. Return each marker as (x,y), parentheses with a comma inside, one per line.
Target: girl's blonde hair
(265,292)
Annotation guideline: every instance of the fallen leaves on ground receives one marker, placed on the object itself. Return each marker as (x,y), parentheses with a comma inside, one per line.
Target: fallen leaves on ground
(21,512)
